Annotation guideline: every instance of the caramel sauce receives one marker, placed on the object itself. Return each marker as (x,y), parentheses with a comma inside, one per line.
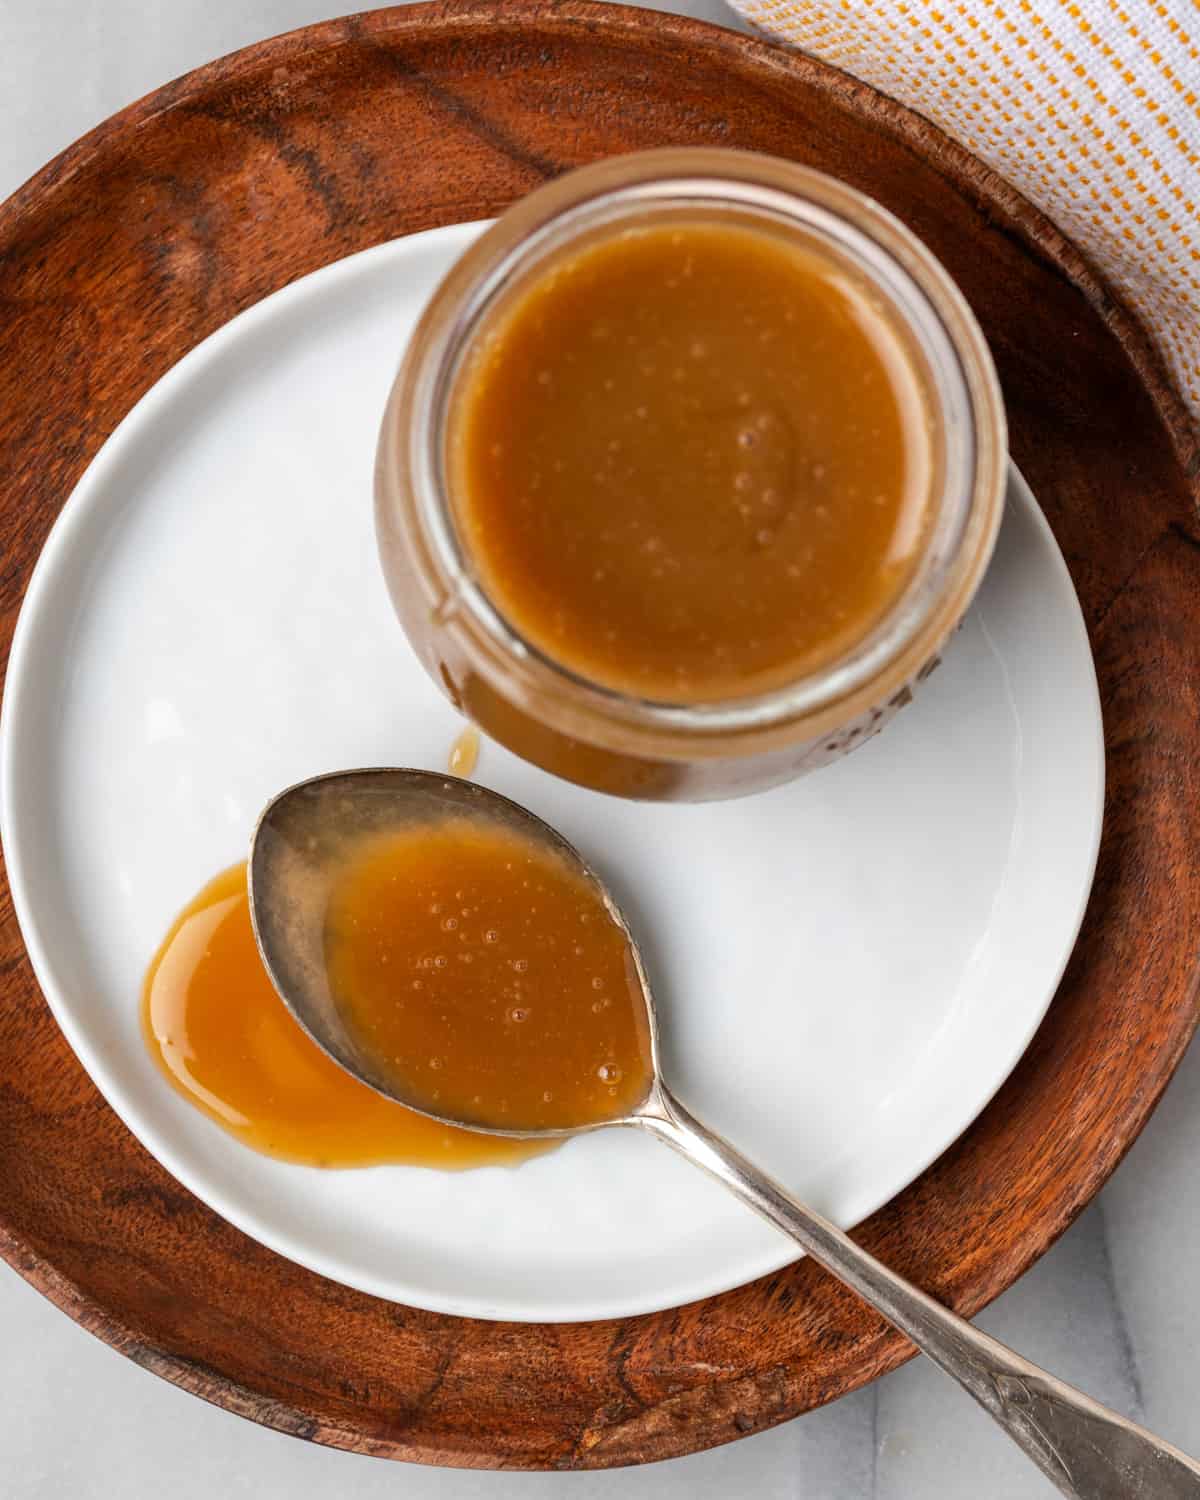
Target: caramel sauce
(464,753)
(487,977)
(224,1039)
(690,462)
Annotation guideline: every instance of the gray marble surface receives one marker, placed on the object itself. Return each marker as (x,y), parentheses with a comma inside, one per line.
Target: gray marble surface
(1113,1307)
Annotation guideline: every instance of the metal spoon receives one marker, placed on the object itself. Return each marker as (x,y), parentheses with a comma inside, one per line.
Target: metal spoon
(1086,1450)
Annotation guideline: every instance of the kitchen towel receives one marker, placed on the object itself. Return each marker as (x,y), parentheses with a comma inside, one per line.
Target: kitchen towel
(1091,108)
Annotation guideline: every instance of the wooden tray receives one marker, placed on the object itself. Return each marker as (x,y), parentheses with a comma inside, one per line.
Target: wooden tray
(196,202)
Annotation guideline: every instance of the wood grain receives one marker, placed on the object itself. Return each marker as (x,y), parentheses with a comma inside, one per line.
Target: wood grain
(191,205)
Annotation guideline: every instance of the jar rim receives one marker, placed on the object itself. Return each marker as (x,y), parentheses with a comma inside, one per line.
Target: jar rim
(964,400)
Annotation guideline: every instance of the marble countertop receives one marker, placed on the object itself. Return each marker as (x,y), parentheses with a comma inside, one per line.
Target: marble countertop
(1111,1308)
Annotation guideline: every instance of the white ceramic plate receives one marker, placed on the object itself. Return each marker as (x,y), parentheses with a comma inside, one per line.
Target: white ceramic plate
(847,968)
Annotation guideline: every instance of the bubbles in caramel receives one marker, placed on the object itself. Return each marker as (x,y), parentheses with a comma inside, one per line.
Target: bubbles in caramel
(487,978)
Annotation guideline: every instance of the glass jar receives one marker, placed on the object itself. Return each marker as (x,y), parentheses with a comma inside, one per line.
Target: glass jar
(587,732)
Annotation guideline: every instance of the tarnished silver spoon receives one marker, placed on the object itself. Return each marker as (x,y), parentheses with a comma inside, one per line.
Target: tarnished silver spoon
(1086,1450)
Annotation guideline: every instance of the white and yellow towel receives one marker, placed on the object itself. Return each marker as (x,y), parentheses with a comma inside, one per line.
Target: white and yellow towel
(1090,107)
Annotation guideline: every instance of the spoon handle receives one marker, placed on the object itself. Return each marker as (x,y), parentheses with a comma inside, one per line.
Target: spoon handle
(1087,1451)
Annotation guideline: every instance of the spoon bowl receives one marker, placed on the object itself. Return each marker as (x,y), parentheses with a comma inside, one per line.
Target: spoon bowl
(305,833)
(303,836)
